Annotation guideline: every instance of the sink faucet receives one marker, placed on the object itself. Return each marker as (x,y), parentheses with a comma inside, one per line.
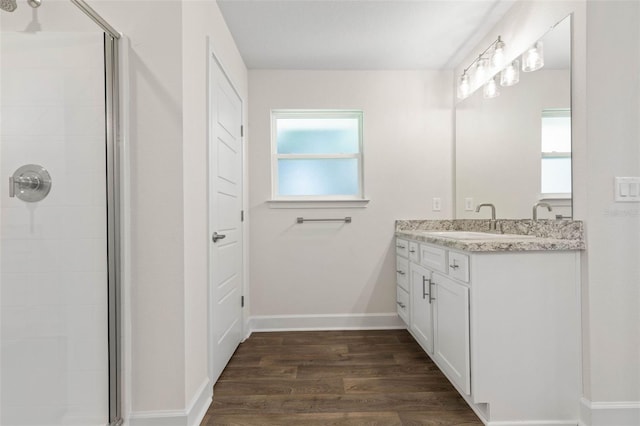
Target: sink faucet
(540,204)
(492,222)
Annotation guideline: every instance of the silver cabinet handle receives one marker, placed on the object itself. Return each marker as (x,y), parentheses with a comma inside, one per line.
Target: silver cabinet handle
(402,305)
(412,251)
(215,237)
(454,266)
(431,299)
(424,290)
(400,272)
(401,247)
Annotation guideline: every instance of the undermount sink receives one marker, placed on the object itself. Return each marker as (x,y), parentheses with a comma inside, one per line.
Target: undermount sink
(470,235)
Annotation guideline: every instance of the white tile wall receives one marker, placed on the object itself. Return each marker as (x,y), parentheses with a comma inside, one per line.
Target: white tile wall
(53,270)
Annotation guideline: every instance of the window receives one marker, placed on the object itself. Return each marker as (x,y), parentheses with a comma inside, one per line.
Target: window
(556,153)
(316,155)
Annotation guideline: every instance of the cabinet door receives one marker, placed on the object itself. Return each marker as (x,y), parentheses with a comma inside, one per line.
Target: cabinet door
(451,325)
(402,302)
(421,307)
(402,273)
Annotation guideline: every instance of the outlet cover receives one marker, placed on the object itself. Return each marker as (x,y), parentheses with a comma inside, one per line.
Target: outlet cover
(468,204)
(437,204)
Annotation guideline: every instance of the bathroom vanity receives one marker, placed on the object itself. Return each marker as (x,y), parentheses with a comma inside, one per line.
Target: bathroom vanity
(498,313)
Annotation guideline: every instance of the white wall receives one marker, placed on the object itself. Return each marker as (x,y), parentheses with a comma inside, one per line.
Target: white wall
(168,77)
(316,269)
(613,149)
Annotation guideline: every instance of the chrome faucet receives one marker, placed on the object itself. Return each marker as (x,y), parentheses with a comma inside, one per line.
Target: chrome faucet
(540,204)
(492,222)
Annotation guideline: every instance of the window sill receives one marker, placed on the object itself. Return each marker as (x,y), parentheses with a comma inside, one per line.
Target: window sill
(317,204)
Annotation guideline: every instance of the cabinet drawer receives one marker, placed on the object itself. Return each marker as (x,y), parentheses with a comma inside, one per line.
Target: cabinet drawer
(459,266)
(402,302)
(414,252)
(433,258)
(402,272)
(402,247)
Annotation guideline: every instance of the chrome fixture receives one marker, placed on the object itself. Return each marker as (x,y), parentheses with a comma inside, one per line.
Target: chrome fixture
(487,67)
(8,5)
(492,222)
(540,204)
(345,220)
(484,65)
(30,183)
(215,237)
(11,5)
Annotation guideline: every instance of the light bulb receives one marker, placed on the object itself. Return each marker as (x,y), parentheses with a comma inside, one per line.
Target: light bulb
(497,58)
(511,74)
(464,87)
(490,89)
(481,70)
(533,58)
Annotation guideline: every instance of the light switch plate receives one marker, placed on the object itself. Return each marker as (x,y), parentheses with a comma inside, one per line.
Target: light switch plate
(627,189)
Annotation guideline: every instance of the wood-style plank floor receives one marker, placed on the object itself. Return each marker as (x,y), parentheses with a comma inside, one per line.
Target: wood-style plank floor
(335,378)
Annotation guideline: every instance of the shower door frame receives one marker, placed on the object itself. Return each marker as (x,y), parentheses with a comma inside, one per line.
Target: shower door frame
(113,148)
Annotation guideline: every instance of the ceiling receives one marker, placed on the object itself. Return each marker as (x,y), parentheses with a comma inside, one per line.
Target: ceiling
(359,34)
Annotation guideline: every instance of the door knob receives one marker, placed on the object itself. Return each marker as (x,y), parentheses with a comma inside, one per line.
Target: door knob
(215,237)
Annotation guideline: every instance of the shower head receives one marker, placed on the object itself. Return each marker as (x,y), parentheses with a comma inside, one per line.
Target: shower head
(11,5)
(8,5)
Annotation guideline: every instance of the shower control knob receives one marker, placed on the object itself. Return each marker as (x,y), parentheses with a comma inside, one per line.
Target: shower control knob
(30,183)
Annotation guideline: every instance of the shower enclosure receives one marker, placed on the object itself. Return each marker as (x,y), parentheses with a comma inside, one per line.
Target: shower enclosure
(59,222)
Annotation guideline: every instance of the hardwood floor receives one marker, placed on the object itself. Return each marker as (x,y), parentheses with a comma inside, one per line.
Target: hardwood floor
(335,378)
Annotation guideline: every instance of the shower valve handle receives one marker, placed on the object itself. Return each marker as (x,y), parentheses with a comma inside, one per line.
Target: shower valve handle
(33,183)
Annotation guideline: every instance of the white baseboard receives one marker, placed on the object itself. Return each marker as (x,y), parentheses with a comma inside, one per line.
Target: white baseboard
(325,322)
(534,423)
(192,415)
(622,413)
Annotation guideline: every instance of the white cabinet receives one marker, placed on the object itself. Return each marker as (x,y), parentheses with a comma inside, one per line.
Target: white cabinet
(440,311)
(421,324)
(504,327)
(451,320)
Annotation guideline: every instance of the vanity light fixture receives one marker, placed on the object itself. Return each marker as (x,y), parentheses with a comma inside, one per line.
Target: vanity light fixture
(491,89)
(485,66)
(464,88)
(482,69)
(497,58)
(533,58)
(511,74)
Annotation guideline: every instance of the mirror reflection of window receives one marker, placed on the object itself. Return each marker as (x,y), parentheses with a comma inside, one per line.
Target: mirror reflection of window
(556,153)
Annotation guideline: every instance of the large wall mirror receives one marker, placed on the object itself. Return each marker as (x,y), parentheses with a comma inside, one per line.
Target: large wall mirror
(514,150)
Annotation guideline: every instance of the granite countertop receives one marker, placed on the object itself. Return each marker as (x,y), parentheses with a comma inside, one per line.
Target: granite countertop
(539,235)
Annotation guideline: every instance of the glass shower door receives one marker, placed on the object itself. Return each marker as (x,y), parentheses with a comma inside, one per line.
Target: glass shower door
(54,366)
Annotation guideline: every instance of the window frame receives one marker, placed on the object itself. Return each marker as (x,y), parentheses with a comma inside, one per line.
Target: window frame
(311,114)
(550,113)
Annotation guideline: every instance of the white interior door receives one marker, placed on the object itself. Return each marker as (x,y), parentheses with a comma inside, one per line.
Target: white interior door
(225,224)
